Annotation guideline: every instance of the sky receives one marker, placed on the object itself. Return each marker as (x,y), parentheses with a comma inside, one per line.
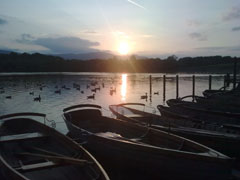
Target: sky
(153,28)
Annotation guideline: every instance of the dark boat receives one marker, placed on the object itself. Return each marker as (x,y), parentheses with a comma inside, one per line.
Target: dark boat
(207,108)
(30,150)
(221,91)
(220,140)
(153,154)
(229,101)
(209,93)
(183,112)
(125,111)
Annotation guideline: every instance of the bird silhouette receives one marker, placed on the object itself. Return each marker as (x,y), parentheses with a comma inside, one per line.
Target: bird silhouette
(37,98)
(91,97)
(144,96)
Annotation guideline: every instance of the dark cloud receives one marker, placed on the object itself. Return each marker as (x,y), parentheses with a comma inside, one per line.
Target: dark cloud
(61,44)
(198,36)
(220,48)
(2,21)
(236,28)
(234,14)
(26,39)
(67,44)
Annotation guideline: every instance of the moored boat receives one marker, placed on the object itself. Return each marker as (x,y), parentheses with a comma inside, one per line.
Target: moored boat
(30,150)
(154,154)
(216,138)
(207,108)
(206,117)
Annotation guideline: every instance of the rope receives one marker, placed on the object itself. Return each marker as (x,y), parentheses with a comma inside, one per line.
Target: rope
(53,123)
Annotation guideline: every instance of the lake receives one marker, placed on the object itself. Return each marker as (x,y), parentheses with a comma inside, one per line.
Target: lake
(24,87)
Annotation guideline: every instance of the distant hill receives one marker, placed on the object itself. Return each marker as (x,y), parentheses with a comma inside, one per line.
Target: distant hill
(5,52)
(96,55)
(87,56)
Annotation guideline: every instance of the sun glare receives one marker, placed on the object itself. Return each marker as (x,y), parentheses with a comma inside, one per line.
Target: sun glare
(123,48)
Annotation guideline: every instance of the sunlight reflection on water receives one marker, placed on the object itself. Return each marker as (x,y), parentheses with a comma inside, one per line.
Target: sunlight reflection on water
(124,87)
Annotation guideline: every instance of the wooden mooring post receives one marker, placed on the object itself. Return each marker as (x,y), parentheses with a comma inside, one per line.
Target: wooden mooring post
(210,82)
(177,87)
(164,87)
(150,89)
(193,87)
(235,74)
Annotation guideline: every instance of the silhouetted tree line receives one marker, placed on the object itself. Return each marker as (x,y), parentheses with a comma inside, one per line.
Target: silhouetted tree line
(15,62)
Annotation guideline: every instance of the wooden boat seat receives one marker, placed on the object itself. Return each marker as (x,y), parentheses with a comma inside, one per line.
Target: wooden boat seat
(18,137)
(37,166)
(134,115)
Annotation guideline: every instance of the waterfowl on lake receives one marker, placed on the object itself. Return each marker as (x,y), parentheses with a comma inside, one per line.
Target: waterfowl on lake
(58,91)
(144,96)
(37,98)
(91,97)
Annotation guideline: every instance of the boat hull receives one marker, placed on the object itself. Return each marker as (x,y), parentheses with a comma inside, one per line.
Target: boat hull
(150,163)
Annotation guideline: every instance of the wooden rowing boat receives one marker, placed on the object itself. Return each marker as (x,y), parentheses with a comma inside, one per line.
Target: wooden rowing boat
(154,154)
(206,108)
(216,138)
(207,117)
(30,150)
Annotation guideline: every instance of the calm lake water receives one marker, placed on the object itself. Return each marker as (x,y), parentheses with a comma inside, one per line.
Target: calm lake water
(129,88)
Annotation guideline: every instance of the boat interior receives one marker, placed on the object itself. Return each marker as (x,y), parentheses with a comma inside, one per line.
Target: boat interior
(92,121)
(38,153)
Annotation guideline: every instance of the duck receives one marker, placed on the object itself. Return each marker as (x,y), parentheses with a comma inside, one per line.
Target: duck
(144,96)
(98,88)
(8,97)
(37,98)
(94,90)
(58,91)
(91,97)
(31,93)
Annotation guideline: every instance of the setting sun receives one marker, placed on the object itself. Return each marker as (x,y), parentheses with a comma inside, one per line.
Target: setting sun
(123,48)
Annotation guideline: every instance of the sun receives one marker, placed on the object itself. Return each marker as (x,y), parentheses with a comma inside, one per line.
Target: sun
(123,48)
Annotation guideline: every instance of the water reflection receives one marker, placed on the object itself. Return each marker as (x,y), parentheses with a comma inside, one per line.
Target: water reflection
(124,87)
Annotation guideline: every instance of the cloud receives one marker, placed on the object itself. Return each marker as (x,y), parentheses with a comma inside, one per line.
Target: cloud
(233,14)
(193,23)
(26,39)
(198,36)
(2,21)
(61,44)
(90,32)
(236,28)
(219,48)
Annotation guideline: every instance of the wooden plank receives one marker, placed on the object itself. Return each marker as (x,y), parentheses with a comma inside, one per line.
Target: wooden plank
(59,159)
(133,115)
(33,167)
(25,136)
